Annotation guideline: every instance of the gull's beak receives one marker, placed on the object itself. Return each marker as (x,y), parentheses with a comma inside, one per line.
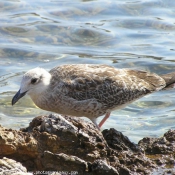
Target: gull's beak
(17,96)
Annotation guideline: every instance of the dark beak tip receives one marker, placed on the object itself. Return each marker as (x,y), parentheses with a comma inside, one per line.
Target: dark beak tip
(17,96)
(13,102)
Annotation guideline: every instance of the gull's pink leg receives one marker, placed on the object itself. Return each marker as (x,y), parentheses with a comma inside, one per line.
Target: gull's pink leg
(104,119)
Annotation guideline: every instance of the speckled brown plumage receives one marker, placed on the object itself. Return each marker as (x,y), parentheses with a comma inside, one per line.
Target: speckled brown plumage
(96,89)
(93,90)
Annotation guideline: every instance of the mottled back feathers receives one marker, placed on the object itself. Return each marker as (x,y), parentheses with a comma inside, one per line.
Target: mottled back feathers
(108,85)
(89,90)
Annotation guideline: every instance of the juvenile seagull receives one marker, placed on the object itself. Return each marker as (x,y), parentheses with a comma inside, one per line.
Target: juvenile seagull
(89,90)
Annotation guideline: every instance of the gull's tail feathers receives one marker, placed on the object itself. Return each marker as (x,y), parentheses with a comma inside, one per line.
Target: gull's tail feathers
(169,79)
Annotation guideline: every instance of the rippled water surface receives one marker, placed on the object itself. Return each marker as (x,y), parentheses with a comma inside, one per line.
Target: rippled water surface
(123,34)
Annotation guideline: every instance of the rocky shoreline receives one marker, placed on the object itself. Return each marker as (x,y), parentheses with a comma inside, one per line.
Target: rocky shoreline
(64,145)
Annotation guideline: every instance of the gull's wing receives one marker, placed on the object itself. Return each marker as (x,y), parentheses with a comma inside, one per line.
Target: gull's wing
(106,84)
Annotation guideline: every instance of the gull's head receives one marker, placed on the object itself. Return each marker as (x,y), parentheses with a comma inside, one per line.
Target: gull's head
(34,82)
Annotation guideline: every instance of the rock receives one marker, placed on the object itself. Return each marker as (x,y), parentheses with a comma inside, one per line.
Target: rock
(11,167)
(116,140)
(162,145)
(18,145)
(161,150)
(64,144)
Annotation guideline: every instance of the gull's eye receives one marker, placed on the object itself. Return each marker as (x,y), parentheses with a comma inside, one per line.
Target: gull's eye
(33,80)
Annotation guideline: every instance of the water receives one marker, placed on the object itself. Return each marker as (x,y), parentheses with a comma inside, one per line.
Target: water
(123,33)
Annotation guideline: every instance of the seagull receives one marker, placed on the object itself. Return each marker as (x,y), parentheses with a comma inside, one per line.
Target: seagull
(87,90)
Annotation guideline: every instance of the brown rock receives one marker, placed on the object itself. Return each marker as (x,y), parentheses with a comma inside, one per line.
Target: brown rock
(161,151)
(68,144)
(11,167)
